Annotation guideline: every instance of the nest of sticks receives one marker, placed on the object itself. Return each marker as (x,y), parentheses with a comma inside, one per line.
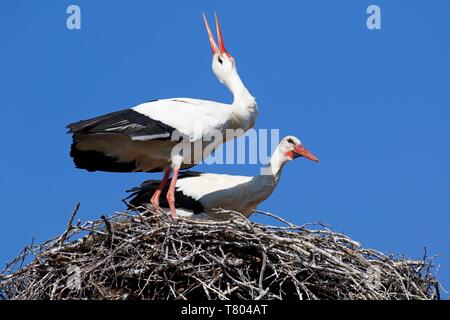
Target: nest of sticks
(141,255)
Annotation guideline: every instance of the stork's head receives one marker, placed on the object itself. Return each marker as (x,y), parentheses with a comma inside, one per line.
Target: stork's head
(223,64)
(288,149)
(291,147)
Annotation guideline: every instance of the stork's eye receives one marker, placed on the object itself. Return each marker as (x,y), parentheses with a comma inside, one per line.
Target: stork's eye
(220,60)
(290,141)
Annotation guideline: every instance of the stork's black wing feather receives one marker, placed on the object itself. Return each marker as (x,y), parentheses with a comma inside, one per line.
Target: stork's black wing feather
(130,122)
(141,195)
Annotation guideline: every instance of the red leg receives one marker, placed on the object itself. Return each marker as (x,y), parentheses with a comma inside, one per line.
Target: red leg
(171,193)
(155,198)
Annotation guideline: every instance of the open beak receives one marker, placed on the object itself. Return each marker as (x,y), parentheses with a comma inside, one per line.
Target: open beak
(219,49)
(301,151)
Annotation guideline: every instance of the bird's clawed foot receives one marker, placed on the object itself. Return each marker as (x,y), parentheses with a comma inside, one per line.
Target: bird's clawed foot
(157,210)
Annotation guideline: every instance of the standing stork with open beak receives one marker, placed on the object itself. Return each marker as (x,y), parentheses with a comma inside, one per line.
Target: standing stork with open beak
(141,139)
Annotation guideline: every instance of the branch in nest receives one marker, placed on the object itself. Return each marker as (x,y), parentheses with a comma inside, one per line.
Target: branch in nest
(148,256)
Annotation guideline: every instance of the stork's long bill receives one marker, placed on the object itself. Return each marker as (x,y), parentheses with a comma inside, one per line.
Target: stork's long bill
(301,151)
(216,49)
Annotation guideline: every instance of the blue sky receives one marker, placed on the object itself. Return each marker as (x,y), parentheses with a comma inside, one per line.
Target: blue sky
(373,105)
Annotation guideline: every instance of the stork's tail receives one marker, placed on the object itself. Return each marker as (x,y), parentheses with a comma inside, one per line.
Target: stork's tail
(140,196)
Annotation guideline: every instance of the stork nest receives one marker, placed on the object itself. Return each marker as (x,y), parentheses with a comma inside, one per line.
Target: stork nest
(141,255)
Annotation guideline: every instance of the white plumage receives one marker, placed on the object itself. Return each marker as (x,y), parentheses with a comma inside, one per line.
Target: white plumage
(197,118)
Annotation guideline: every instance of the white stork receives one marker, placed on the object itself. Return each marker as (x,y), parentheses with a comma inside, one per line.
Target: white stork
(140,139)
(199,195)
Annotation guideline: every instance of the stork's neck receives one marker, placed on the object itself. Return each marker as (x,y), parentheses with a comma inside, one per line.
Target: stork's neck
(277,162)
(263,185)
(242,97)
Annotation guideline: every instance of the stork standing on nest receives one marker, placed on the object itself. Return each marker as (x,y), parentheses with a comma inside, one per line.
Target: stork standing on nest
(200,195)
(141,139)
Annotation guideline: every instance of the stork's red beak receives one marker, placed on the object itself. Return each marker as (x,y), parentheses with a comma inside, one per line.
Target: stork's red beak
(214,47)
(301,151)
